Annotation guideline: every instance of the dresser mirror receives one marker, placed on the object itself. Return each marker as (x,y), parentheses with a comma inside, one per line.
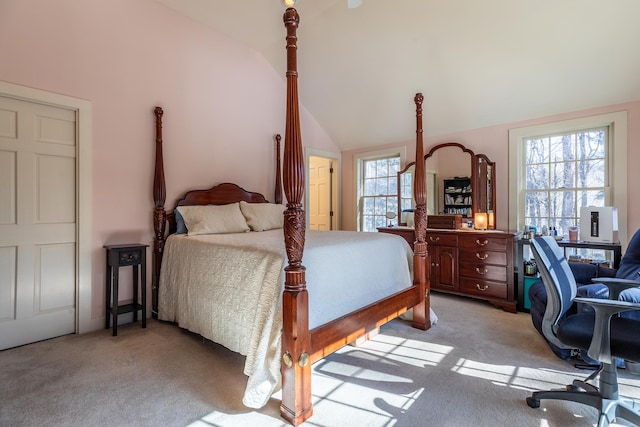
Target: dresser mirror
(442,163)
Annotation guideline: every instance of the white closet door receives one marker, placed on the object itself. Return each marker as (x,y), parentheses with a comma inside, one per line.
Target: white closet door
(38,210)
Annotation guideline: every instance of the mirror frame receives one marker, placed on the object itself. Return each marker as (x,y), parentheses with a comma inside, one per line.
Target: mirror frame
(483,178)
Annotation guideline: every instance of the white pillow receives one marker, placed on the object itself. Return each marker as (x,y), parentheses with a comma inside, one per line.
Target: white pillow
(213,219)
(263,216)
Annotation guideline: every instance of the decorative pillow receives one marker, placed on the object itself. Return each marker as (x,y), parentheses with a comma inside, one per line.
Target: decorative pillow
(263,216)
(181,228)
(213,219)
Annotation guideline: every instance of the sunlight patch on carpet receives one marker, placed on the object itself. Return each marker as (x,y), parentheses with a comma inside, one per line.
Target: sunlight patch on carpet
(249,419)
(407,351)
(513,376)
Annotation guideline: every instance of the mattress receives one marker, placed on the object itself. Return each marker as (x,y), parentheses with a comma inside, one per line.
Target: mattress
(227,288)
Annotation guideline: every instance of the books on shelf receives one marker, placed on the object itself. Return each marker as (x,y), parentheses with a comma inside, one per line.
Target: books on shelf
(457,199)
(459,211)
(457,196)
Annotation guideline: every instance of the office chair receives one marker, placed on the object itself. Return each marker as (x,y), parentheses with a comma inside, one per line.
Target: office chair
(605,335)
(590,278)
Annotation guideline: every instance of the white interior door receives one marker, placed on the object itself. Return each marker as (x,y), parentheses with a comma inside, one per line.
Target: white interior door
(320,193)
(38,210)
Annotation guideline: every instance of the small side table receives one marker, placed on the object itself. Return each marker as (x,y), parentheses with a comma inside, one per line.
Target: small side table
(121,256)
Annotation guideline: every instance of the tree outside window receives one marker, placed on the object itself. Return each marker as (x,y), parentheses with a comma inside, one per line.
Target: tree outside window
(564,172)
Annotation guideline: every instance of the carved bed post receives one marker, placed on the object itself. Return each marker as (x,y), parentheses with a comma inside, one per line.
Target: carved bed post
(277,197)
(421,319)
(296,366)
(159,215)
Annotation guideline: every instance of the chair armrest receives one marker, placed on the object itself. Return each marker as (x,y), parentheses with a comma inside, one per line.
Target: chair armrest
(616,286)
(600,347)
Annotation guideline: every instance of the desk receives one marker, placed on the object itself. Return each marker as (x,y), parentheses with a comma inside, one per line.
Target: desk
(614,248)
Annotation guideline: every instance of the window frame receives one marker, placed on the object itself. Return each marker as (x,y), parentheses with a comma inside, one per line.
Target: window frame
(616,122)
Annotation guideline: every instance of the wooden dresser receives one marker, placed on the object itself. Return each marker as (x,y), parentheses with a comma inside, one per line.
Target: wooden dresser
(477,264)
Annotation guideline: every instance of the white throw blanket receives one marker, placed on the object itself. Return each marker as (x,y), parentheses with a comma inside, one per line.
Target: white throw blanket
(227,288)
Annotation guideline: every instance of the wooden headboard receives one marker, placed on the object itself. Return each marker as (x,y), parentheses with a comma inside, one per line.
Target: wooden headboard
(221,194)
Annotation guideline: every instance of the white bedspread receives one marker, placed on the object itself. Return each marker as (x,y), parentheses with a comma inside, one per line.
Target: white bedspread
(227,288)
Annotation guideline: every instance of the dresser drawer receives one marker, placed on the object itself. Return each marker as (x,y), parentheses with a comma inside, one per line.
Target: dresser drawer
(483,271)
(483,242)
(130,257)
(484,288)
(444,239)
(482,255)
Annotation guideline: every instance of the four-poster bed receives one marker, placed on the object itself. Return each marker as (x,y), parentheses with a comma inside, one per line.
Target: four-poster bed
(299,335)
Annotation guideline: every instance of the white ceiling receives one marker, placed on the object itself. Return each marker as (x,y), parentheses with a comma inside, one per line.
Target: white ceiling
(477,62)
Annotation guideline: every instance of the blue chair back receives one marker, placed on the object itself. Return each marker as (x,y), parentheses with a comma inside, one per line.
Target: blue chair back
(558,281)
(630,263)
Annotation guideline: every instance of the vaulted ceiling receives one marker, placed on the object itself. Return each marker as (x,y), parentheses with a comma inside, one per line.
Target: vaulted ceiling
(478,63)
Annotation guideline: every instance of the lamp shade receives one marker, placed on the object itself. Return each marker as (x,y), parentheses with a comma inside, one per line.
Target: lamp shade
(480,220)
(492,220)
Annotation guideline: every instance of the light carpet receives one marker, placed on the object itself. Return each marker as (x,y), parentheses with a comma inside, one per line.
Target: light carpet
(475,367)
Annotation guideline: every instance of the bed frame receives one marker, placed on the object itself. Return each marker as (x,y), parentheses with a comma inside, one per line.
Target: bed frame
(301,347)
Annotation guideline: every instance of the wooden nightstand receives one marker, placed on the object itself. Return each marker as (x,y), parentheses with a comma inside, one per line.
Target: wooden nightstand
(121,256)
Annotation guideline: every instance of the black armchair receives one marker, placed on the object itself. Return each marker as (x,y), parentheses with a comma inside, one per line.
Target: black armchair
(601,331)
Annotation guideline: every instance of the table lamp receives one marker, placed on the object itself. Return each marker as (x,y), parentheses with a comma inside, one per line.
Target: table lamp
(480,220)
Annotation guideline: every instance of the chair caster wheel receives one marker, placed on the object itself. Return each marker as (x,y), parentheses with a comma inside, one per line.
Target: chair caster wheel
(533,403)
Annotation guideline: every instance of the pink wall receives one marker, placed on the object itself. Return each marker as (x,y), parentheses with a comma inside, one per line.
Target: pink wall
(494,142)
(223,103)
(220,99)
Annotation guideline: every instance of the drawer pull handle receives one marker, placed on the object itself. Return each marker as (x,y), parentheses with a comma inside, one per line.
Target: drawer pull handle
(483,271)
(482,256)
(483,243)
(434,239)
(482,288)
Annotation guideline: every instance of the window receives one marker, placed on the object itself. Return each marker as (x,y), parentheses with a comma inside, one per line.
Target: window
(564,172)
(376,187)
(379,191)
(556,168)
(406,190)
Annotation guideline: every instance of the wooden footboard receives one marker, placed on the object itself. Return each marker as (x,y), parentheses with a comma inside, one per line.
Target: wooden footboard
(301,347)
